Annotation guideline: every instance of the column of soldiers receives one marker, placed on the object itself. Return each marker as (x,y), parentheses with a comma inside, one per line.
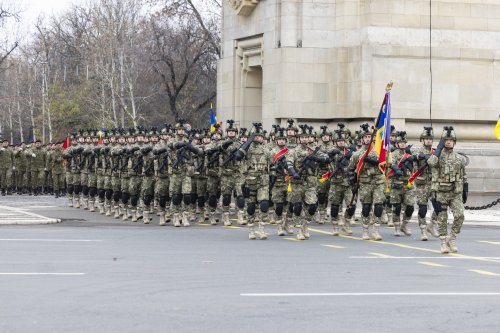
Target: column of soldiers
(290,178)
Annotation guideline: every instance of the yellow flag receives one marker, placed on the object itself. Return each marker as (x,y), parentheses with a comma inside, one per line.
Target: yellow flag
(496,131)
(289,188)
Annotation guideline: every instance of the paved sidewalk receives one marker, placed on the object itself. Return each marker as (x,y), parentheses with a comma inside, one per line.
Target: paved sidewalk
(11,215)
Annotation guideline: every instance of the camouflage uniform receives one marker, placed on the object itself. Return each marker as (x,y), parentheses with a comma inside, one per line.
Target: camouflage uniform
(38,168)
(401,163)
(55,163)
(6,166)
(148,181)
(162,182)
(449,181)
(371,187)
(323,187)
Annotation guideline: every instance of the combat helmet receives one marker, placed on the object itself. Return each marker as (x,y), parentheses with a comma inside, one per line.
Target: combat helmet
(231,126)
(401,136)
(365,130)
(258,130)
(428,133)
(345,132)
(280,133)
(449,133)
(324,131)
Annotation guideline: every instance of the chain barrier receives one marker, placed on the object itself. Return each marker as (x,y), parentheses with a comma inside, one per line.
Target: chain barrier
(495,202)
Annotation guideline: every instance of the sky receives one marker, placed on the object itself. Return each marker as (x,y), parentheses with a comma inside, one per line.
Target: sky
(33,8)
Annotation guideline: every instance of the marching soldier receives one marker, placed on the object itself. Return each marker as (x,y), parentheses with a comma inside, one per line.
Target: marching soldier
(423,181)
(363,168)
(38,167)
(148,181)
(340,191)
(450,187)
(257,158)
(161,169)
(55,164)
(6,167)
(325,142)
(401,168)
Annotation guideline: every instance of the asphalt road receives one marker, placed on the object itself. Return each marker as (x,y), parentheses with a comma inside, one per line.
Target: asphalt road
(92,273)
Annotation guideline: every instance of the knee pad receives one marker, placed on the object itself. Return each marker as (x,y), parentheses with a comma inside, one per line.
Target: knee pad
(108,194)
(117,196)
(297,208)
(201,201)
(177,199)
(162,201)
(240,202)
(70,189)
(290,208)
(251,208)
(134,199)
(147,199)
(378,209)
(351,210)
(365,209)
(322,198)
(78,189)
(311,209)
(409,210)
(212,201)
(278,209)
(334,211)
(264,206)
(226,199)
(397,208)
(194,198)
(125,197)
(85,190)
(101,192)
(92,191)
(186,198)
(422,211)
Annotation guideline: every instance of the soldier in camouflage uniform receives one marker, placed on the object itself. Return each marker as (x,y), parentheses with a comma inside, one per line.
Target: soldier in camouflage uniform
(325,142)
(278,183)
(401,167)
(240,185)
(181,175)
(228,181)
(21,164)
(340,190)
(302,167)
(387,215)
(423,182)
(371,185)
(148,180)
(6,166)
(38,167)
(125,155)
(202,174)
(213,152)
(134,171)
(257,158)
(116,167)
(161,169)
(55,164)
(449,183)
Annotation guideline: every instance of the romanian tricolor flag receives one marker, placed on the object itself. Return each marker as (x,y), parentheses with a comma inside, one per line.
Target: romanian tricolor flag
(213,118)
(496,131)
(382,138)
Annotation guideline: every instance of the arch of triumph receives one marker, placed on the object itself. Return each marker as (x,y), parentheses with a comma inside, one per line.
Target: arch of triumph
(324,61)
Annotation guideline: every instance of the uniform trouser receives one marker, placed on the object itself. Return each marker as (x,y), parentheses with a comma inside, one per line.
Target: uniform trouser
(322,190)
(5,178)
(340,193)
(258,196)
(278,194)
(371,193)
(180,185)
(423,196)
(454,202)
(134,189)
(21,179)
(147,190)
(228,186)
(57,181)
(37,178)
(162,185)
(402,197)
(303,195)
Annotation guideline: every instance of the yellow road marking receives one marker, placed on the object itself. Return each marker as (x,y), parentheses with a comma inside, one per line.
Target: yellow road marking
(381,255)
(231,227)
(479,271)
(292,239)
(428,263)
(490,242)
(333,246)
(204,224)
(410,247)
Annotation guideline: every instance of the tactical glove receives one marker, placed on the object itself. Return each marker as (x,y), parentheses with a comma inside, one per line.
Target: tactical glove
(465,192)
(226,144)
(439,148)
(408,149)
(239,155)
(179,144)
(293,173)
(371,160)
